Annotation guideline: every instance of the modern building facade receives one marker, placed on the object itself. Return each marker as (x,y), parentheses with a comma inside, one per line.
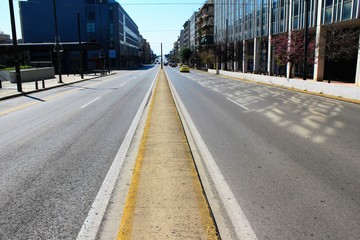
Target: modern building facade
(4,38)
(146,55)
(177,46)
(186,27)
(244,30)
(101,21)
(192,32)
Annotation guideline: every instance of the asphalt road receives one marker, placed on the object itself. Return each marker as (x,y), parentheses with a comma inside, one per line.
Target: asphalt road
(57,147)
(292,160)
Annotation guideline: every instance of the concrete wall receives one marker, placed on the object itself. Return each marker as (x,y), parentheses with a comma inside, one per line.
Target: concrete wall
(336,90)
(4,76)
(28,75)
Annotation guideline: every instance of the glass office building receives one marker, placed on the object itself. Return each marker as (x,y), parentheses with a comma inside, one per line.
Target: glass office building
(246,27)
(102,21)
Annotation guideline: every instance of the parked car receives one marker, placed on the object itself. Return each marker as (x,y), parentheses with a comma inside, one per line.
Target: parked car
(184,68)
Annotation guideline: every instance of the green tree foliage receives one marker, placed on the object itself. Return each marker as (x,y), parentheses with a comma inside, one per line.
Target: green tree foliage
(185,54)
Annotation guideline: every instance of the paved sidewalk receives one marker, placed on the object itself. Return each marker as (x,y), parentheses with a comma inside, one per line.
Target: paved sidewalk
(165,199)
(9,89)
(337,90)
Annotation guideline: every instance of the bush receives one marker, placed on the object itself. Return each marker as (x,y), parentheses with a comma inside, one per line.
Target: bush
(13,68)
(25,67)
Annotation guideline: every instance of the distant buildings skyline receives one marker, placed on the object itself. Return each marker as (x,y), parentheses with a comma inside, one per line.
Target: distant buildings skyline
(243,32)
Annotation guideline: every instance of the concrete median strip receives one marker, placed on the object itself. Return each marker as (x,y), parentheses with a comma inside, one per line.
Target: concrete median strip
(165,199)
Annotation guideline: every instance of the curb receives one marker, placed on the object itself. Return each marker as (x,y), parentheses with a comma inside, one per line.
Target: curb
(205,182)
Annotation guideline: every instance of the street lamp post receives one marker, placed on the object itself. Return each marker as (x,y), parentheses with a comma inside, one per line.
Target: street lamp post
(57,44)
(15,45)
(161,57)
(306,43)
(80,47)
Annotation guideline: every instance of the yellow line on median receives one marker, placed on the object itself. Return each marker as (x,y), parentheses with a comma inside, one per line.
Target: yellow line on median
(130,204)
(165,198)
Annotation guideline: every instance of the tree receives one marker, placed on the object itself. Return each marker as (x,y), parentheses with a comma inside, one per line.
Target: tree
(207,58)
(221,52)
(295,56)
(185,54)
(341,43)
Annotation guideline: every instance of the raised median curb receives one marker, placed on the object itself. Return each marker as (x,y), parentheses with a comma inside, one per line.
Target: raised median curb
(166,199)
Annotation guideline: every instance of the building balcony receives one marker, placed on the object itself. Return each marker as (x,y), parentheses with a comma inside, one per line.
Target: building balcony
(209,31)
(207,40)
(207,25)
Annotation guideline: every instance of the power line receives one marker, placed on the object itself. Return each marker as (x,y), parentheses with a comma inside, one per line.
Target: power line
(177,30)
(177,3)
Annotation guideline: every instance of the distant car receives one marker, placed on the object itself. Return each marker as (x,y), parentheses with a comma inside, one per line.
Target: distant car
(184,68)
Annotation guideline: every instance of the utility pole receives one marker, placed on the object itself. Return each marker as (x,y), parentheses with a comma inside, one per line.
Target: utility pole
(306,43)
(161,57)
(15,45)
(57,44)
(80,47)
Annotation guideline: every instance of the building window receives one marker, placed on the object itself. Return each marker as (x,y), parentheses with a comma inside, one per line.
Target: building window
(90,27)
(328,15)
(346,11)
(328,3)
(90,13)
(111,27)
(90,16)
(355,7)
(295,23)
(296,8)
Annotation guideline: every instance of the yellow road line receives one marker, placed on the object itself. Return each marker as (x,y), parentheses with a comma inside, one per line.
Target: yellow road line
(33,103)
(130,204)
(61,94)
(18,108)
(45,99)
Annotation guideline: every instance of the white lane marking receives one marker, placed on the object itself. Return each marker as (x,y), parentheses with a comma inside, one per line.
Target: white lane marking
(237,103)
(123,84)
(318,113)
(91,225)
(241,225)
(85,105)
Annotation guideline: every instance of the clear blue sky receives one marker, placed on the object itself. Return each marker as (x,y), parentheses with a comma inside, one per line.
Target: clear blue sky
(159,21)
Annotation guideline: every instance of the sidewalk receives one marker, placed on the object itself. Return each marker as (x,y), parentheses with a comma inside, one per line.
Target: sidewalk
(165,199)
(9,89)
(341,91)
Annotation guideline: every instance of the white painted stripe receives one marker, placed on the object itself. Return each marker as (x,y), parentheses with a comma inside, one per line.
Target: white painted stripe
(91,225)
(85,105)
(237,103)
(241,225)
(122,84)
(318,113)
